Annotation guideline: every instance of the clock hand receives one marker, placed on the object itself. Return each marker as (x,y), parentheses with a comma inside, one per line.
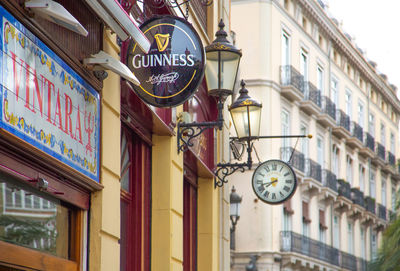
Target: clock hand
(268,184)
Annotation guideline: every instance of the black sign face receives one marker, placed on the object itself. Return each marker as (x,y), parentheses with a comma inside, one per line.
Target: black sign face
(171,71)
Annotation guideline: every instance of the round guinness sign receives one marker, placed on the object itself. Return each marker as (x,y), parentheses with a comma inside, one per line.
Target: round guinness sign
(171,71)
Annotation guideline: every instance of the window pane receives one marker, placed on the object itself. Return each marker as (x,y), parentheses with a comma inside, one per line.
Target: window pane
(43,229)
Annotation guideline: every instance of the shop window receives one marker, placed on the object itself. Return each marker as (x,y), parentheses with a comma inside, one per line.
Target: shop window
(35,227)
(190,223)
(135,203)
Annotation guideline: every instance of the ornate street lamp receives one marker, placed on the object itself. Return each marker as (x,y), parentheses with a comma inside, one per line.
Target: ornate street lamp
(235,201)
(246,115)
(221,70)
(222,64)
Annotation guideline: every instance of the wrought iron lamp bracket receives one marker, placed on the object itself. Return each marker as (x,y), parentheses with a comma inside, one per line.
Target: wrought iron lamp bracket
(224,170)
(188,131)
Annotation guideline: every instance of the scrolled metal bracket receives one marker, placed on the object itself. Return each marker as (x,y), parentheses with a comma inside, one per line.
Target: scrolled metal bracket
(188,131)
(224,170)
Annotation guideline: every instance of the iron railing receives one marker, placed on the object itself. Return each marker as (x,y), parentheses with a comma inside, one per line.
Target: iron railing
(370,204)
(357,196)
(382,212)
(380,151)
(291,77)
(342,119)
(328,107)
(344,189)
(348,261)
(294,242)
(362,265)
(297,158)
(391,158)
(369,141)
(329,180)
(313,170)
(311,93)
(356,131)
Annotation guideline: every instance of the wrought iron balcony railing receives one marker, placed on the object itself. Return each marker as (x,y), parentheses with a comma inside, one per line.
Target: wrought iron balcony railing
(380,151)
(291,77)
(382,212)
(369,141)
(311,93)
(344,189)
(313,170)
(356,131)
(391,159)
(329,180)
(294,242)
(370,204)
(357,196)
(348,261)
(362,265)
(342,119)
(328,107)
(297,160)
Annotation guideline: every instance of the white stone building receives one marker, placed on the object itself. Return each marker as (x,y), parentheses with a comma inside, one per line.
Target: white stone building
(312,79)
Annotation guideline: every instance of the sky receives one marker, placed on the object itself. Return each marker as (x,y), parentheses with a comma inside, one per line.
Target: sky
(374,26)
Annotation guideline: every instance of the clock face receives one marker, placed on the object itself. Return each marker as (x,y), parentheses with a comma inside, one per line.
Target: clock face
(274,181)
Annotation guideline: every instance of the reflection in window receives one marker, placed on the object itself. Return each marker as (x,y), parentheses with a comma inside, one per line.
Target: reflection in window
(31,219)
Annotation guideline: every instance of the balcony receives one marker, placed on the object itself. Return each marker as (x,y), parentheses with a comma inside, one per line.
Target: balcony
(391,159)
(313,170)
(312,99)
(297,158)
(342,130)
(356,139)
(369,146)
(348,261)
(294,242)
(292,83)
(390,165)
(343,202)
(297,243)
(382,212)
(362,265)
(370,204)
(380,157)
(344,189)
(357,197)
(329,180)
(328,114)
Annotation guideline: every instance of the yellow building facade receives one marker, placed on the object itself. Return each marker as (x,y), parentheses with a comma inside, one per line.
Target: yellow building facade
(130,212)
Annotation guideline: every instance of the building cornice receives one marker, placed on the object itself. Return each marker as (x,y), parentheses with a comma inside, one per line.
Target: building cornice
(340,41)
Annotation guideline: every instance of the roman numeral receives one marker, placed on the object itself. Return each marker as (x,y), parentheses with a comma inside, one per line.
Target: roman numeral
(286,188)
(273,196)
(281,169)
(289,181)
(261,188)
(266,193)
(267,168)
(282,195)
(286,174)
(274,166)
(261,174)
(259,181)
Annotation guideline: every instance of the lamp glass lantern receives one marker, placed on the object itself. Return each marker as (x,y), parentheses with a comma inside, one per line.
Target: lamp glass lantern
(222,64)
(235,201)
(246,115)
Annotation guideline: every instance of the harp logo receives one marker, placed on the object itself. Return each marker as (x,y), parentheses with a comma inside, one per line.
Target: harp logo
(171,71)
(162,41)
